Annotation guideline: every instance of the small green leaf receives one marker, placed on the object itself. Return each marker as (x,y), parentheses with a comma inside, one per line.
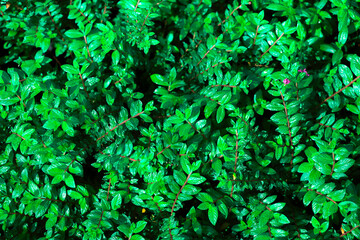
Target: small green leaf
(19,189)
(220,114)
(277,206)
(305,167)
(69,181)
(73,194)
(180,177)
(204,206)
(158,79)
(7,98)
(195,178)
(139,226)
(337,56)
(337,195)
(136,237)
(204,197)
(213,214)
(345,73)
(69,69)
(72,33)
(308,197)
(115,56)
(51,222)
(315,222)
(185,164)
(116,202)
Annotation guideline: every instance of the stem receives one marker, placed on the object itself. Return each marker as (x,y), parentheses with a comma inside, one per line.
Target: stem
(340,90)
(257,29)
(271,45)
(288,123)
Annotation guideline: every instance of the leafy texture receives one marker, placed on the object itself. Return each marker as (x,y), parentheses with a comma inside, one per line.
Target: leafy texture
(205,119)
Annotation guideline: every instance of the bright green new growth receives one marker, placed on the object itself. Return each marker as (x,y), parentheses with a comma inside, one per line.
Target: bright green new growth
(118,117)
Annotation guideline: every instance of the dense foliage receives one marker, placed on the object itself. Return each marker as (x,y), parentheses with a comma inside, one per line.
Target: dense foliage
(204,119)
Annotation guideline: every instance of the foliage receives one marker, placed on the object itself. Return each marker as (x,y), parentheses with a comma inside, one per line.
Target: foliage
(204,119)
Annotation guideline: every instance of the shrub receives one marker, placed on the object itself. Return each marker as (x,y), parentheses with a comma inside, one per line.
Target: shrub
(137,119)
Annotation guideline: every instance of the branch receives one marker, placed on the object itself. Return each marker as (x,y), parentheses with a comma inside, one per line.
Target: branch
(206,70)
(340,90)
(196,129)
(163,150)
(83,83)
(118,125)
(271,45)
(230,15)
(137,4)
(19,136)
(327,126)
(257,29)
(345,233)
(83,15)
(309,189)
(236,158)
(266,206)
(177,196)
(288,123)
(87,47)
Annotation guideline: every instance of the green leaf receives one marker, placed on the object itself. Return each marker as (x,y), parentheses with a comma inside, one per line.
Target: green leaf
(213,214)
(62,193)
(57,179)
(343,165)
(210,41)
(88,28)
(279,232)
(69,69)
(69,181)
(51,222)
(323,159)
(337,56)
(29,66)
(158,79)
(277,206)
(309,196)
(224,209)
(139,226)
(265,217)
(73,194)
(73,33)
(353,108)
(315,222)
(220,114)
(52,124)
(135,108)
(180,177)
(305,167)
(136,237)
(33,188)
(345,73)
(270,199)
(115,56)
(355,64)
(19,189)
(195,178)
(116,202)
(185,164)
(343,35)
(69,130)
(338,195)
(204,197)
(204,206)
(7,98)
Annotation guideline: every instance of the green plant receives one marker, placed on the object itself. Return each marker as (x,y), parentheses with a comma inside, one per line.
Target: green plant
(136,119)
